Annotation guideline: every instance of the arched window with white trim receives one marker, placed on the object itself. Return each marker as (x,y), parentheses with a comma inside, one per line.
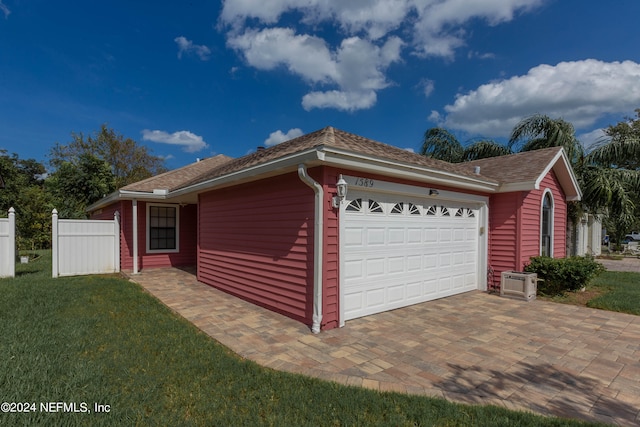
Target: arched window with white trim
(546,225)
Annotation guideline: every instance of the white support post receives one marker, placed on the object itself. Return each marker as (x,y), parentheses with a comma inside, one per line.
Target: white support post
(54,243)
(134,207)
(116,231)
(12,242)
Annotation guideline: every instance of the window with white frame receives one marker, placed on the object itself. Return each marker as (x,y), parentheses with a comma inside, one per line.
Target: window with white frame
(162,228)
(546,225)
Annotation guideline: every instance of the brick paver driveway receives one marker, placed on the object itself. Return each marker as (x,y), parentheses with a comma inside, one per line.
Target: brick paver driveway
(539,356)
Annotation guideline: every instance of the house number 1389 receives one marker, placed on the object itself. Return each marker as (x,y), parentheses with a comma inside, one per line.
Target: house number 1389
(364,182)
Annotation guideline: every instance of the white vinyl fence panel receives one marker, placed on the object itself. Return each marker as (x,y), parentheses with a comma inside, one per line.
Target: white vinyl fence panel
(85,246)
(8,245)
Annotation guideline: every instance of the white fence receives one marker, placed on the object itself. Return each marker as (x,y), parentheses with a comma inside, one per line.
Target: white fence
(85,246)
(8,245)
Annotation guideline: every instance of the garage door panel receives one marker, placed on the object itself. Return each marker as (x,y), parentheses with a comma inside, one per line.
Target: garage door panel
(353,269)
(406,252)
(397,265)
(414,263)
(375,236)
(353,236)
(414,235)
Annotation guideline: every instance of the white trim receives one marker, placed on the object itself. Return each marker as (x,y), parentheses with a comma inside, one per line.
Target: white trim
(552,220)
(346,159)
(376,186)
(148,226)
(367,184)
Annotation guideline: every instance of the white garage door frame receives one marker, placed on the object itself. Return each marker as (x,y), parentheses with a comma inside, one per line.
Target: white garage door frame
(385,188)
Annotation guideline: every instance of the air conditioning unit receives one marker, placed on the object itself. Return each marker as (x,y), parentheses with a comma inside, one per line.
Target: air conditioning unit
(516,284)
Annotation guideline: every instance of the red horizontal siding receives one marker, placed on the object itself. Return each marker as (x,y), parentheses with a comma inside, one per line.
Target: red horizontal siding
(503,232)
(256,242)
(330,269)
(531,221)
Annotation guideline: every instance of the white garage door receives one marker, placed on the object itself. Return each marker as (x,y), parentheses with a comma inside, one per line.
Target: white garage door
(399,251)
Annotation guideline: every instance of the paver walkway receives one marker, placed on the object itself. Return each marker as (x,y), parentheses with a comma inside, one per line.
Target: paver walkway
(544,357)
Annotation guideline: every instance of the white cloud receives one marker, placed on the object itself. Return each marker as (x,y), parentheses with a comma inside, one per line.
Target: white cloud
(580,92)
(278,136)
(5,10)
(433,27)
(307,56)
(187,46)
(356,67)
(439,30)
(590,139)
(374,31)
(189,142)
(427,87)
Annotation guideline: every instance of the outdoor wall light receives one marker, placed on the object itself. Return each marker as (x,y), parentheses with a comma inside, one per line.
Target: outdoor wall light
(341,186)
(433,192)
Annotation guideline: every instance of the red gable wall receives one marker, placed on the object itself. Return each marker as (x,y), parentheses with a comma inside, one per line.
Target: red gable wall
(514,226)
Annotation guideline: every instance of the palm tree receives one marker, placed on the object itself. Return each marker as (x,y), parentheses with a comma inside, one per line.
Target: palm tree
(541,131)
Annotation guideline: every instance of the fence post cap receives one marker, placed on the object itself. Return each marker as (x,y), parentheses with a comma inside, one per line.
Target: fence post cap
(11,210)
(54,211)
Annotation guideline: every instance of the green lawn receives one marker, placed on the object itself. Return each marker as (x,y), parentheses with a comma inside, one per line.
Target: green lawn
(620,291)
(101,339)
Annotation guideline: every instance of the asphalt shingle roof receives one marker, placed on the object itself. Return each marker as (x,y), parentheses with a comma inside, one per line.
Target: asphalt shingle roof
(520,167)
(337,139)
(177,178)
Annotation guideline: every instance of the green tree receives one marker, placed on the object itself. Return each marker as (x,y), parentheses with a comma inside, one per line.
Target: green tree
(619,189)
(540,131)
(129,161)
(78,183)
(24,191)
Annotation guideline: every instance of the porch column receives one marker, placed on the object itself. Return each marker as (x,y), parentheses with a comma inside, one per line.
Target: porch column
(134,206)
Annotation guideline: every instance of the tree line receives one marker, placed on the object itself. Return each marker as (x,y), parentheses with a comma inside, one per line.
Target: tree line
(80,173)
(608,173)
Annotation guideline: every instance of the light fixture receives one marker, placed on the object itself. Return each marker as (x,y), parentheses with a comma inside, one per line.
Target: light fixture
(433,192)
(341,186)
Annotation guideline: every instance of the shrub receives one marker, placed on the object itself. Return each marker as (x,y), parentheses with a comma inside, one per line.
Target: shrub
(560,275)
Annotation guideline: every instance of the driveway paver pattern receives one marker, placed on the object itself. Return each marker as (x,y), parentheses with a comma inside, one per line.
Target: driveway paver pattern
(538,356)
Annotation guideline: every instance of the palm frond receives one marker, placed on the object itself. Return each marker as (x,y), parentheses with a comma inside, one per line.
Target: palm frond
(441,144)
(484,149)
(618,152)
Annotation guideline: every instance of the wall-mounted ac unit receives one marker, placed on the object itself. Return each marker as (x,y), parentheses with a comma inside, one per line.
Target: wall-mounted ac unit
(516,284)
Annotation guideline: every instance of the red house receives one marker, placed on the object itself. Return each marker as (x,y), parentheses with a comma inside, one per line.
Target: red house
(275,228)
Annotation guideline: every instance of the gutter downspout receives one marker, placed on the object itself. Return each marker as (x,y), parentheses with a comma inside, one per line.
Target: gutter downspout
(317,247)
(134,213)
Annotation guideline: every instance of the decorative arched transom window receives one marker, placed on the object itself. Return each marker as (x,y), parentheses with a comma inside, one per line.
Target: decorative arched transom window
(546,226)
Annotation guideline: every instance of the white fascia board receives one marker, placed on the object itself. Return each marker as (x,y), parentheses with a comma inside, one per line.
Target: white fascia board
(124,195)
(407,171)
(363,184)
(567,170)
(292,161)
(519,186)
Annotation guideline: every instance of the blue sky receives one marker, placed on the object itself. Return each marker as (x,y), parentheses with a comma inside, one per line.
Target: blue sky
(194,79)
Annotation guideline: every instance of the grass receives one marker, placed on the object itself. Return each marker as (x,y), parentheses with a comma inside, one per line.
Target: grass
(102,339)
(619,291)
(612,291)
